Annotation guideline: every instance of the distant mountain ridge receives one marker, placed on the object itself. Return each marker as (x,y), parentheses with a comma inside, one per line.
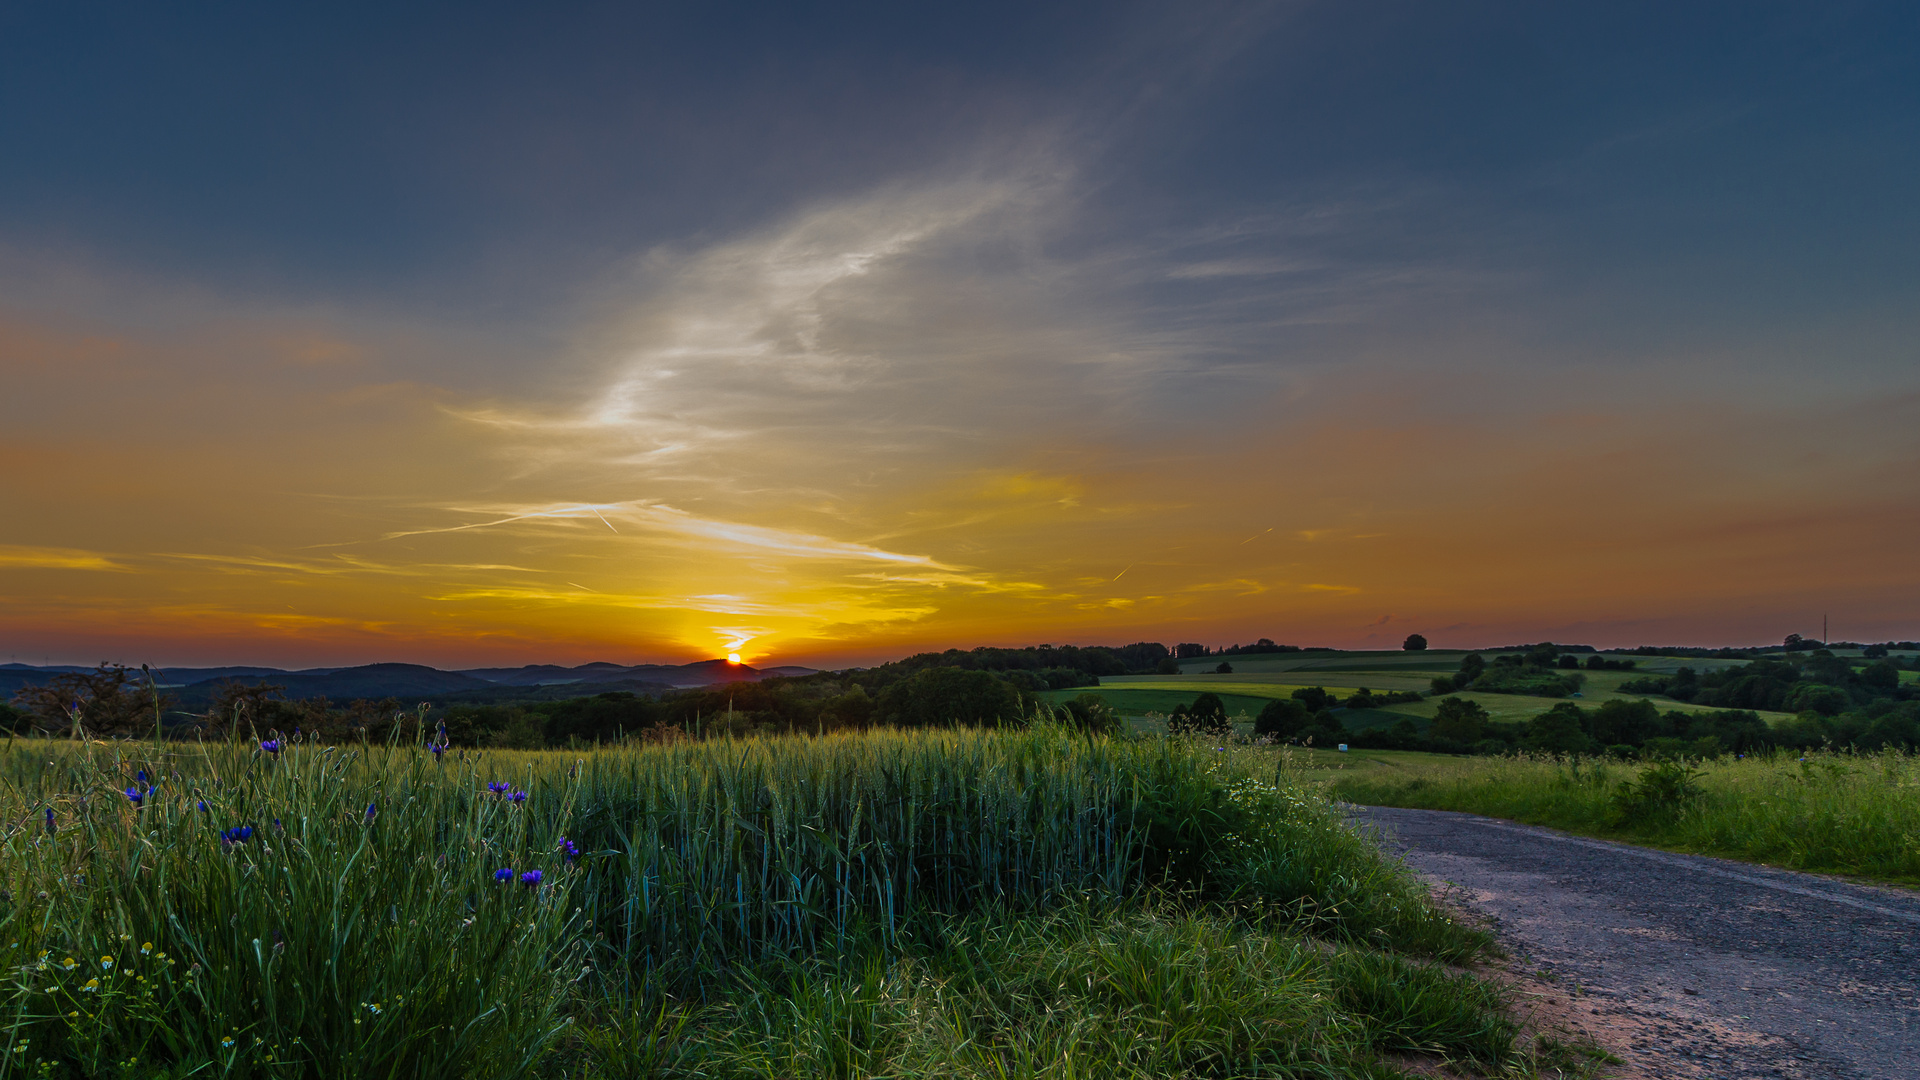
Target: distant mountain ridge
(422,682)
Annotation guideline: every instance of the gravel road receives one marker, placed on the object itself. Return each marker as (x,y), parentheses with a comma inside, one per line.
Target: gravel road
(1687,966)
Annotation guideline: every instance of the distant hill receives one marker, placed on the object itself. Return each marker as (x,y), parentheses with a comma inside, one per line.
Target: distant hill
(194,687)
(702,673)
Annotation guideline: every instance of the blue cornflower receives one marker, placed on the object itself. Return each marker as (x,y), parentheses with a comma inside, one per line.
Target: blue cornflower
(50,825)
(497,787)
(141,776)
(134,795)
(201,806)
(531,878)
(271,746)
(517,796)
(505,873)
(567,849)
(239,834)
(372,809)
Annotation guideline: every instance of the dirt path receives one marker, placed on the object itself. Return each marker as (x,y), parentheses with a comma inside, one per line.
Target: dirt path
(1687,966)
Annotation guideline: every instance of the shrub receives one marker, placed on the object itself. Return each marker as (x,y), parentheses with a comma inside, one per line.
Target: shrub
(1818,698)
(1621,721)
(1282,720)
(1206,716)
(1658,795)
(1532,682)
(1090,713)
(1559,730)
(1315,698)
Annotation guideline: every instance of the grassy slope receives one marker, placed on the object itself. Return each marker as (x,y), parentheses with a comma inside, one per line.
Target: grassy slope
(1857,815)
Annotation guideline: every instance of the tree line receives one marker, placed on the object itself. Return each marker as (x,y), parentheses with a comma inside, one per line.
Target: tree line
(979,687)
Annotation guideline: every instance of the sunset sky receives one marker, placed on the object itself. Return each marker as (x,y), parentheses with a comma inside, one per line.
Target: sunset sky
(500,334)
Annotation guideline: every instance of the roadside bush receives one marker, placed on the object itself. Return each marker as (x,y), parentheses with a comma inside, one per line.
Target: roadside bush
(1657,795)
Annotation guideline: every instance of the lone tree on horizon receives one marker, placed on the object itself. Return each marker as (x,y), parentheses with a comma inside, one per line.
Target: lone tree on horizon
(1414,643)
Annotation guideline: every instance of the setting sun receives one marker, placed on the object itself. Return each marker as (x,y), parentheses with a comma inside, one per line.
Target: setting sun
(733,658)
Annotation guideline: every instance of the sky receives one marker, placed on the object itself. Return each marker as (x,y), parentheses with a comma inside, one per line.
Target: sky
(495,334)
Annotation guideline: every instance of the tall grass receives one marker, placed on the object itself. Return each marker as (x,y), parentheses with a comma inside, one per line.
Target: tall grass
(316,911)
(1856,814)
(1147,993)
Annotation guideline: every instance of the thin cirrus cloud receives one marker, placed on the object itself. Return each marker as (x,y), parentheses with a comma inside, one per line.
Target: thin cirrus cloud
(666,519)
(17,556)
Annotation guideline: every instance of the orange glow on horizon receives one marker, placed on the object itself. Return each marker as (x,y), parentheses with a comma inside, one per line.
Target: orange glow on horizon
(234,495)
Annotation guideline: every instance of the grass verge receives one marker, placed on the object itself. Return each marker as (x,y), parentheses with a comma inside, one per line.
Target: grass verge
(1842,813)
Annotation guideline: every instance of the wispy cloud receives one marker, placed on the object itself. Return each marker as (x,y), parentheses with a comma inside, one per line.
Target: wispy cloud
(16,556)
(666,519)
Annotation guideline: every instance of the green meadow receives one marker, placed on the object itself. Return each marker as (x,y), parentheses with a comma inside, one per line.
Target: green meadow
(1255,680)
(961,903)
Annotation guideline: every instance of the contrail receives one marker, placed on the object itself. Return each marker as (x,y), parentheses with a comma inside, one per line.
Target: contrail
(1123,573)
(605,522)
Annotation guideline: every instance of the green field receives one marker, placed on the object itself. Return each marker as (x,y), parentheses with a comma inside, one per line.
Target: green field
(943,903)
(1437,662)
(1136,695)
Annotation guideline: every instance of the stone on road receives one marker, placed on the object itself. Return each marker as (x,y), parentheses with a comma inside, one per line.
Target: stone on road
(1694,966)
